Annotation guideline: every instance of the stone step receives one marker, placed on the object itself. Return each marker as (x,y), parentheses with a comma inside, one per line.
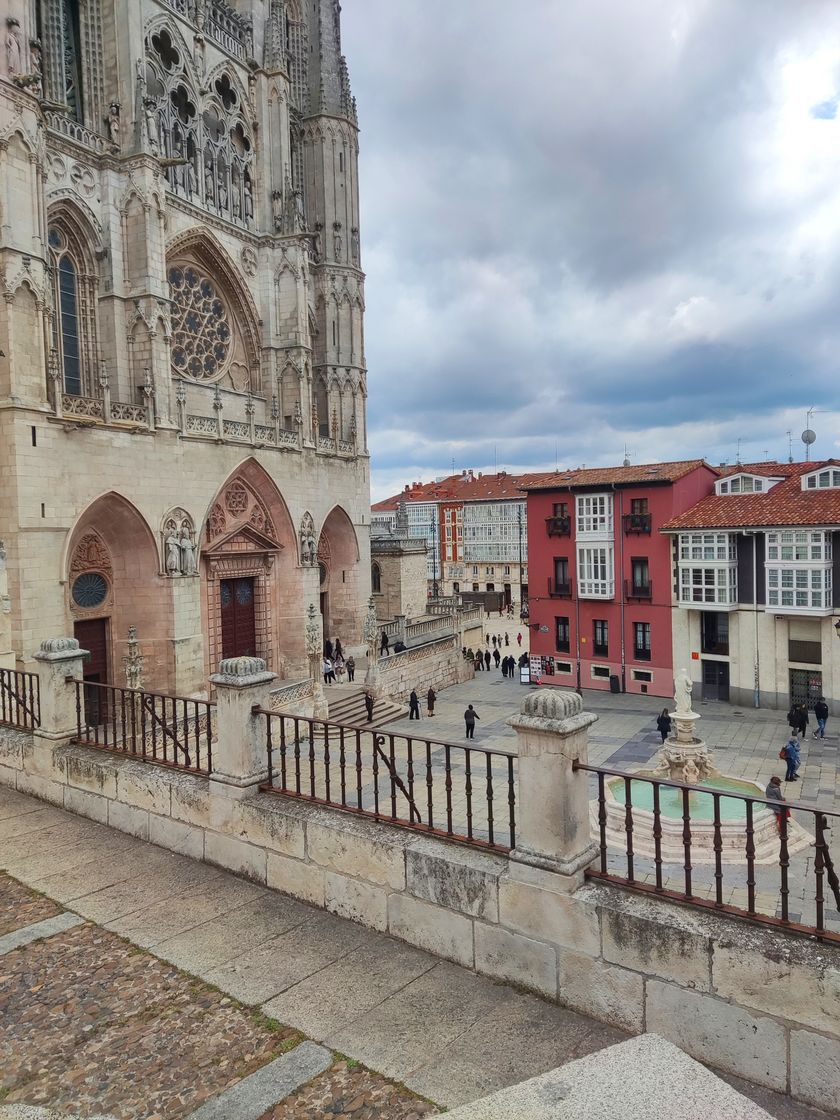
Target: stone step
(349,707)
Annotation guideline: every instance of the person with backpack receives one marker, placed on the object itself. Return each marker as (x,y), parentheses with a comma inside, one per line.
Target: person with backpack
(790,753)
(821,716)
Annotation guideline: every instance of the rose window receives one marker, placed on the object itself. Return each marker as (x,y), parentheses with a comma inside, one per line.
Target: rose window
(201,332)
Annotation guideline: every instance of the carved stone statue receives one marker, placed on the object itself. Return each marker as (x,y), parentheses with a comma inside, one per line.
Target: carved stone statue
(308,547)
(114,123)
(354,244)
(192,176)
(208,177)
(682,693)
(277,210)
(223,193)
(188,565)
(13,52)
(337,241)
(236,202)
(150,118)
(36,55)
(173,555)
(249,200)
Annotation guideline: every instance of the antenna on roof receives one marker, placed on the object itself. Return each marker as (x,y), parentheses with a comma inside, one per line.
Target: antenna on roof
(738,453)
(790,446)
(626,457)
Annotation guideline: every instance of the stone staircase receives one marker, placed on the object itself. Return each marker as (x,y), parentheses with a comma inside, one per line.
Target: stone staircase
(347,705)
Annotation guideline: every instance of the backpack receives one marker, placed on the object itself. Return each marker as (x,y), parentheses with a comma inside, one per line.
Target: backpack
(783,753)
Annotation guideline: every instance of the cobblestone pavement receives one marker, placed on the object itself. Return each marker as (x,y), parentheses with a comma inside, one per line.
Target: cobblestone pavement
(351,1092)
(20,907)
(93,1024)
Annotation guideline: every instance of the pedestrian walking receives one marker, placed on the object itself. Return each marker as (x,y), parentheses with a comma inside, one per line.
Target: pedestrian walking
(497,657)
(774,793)
(384,645)
(790,753)
(338,666)
(329,674)
(494,641)
(507,639)
(339,652)
(413,705)
(504,667)
(487,660)
(369,705)
(798,719)
(664,724)
(431,696)
(519,639)
(328,649)
(350,665)
(470,716)
(487,639)
(821,715)
(479,664)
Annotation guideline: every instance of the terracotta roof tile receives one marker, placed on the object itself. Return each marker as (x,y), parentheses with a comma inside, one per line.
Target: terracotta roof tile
(785,504)
(606,476)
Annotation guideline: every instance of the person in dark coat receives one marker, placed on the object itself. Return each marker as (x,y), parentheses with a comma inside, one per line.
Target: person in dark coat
(494,641)
(821,715)
(802,721)
(350,666)
(431,696)
(496,657)
(369,705)
(664,724)
(504,666)
(487,660)
(328,649)
(798,719)
(507,640)
(413,706)
(384,645)
(774,793)
(339,652)
(470,716)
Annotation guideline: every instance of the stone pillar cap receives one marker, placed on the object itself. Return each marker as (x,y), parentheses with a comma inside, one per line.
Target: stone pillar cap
(239,672)
(60,649)
(552,709)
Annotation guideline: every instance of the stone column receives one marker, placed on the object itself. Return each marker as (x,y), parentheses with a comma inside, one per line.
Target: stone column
(60,663)
(553,825)
(239,757)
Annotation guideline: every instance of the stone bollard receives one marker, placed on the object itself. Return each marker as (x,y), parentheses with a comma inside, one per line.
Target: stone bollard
(239,755)
(553,825)
(60,663)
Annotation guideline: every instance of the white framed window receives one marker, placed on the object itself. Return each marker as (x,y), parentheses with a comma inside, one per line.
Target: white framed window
(642,675)
(475,569)
(708,585)
(600,671)
(594,515)
(563,666)
(799,545)
(708,546)
(595,572)
(822,480)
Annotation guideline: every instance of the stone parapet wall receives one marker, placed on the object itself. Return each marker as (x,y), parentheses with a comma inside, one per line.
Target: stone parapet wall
(436,665)
(756,1002)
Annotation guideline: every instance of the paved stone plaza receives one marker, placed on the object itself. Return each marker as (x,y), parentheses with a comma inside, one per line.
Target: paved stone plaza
(154,947)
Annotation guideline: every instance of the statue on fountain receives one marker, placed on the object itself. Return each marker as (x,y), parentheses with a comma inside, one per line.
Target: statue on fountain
(684,757)
(682,694)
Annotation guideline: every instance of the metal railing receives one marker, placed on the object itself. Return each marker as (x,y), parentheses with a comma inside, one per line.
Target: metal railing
(20,699)
(633,590)
(560,590)
(463,793)
(637,522)
(175,731)
(759,864)
(558,526)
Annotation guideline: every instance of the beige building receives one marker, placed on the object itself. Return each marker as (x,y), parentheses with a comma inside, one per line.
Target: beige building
(182,373)
(757,586)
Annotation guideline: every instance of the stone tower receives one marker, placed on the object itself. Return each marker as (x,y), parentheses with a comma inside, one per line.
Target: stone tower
(182,375)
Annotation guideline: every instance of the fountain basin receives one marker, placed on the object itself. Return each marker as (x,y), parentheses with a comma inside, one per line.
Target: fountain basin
(733,835)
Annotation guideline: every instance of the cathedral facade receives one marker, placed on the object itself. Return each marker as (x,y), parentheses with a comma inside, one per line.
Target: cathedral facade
(182,375)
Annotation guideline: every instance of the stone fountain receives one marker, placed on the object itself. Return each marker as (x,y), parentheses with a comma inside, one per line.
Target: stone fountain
(685,757)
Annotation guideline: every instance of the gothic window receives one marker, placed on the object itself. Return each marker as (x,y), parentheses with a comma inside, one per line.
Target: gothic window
(207,341)
(72,70)
(208,139)
(375,578)
(71,34)
(72,320)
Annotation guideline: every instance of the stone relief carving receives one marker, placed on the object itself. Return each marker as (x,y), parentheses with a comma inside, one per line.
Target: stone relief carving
(239,505)
(14,60)
(90,554)
(249,259)
(179,544)
(308,547)
(113,122)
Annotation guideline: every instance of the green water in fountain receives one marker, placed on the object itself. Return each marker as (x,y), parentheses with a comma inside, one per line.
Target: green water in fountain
(702,805)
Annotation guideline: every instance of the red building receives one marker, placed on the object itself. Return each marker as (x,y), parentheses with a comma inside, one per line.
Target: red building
(601,573)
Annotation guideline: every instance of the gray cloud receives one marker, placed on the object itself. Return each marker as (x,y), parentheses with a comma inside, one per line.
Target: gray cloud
(593,222)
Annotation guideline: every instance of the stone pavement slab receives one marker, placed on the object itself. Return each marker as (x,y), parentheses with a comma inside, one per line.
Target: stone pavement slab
(635,1080)
(38,931)
(249,1098)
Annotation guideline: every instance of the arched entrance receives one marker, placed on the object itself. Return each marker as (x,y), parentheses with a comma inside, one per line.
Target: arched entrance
(114,582)
(338,563)
(252,603)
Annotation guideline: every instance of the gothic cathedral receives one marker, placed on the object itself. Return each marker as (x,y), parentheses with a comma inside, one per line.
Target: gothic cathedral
(182,373)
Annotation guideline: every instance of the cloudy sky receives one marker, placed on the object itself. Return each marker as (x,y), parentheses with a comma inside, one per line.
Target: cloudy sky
(597,223)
